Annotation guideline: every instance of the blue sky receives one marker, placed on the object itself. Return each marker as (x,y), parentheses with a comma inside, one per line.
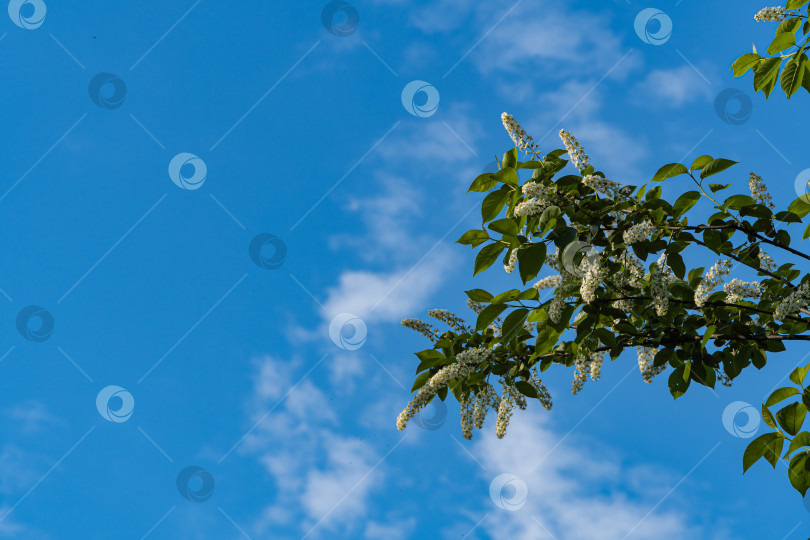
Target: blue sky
(303,135)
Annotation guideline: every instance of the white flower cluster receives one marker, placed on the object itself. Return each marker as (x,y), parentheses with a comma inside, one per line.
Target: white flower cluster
(587,362)
(737,289)
(477,307)
(555,309)
(712,279)
(795,301)
(537,201)
(505,411)
(522,140)
(770,14)
(553,259)
(531,207)
(639,232)
(542,392)
(661,277)
(575,151)
(450,319)
(766,261)
(549,282)
(426,329)
(466,418)
(593,273)
(485,399)
(512,262)
(605,186)
(465,362)
(759,192)
(633,274)
(645,363)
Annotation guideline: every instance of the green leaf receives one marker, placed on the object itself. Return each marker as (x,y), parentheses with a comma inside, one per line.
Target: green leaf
(800,206)
(507,175)
(483,182)
(744,63)
(530,261)
(767,417)
(494,203)
(478,295)
(766,72)
(799,374)
(488,255)
(700,162)
(679,381)
(420,380)
(489,314)
(474,237)
(685,202)
(513,323)
(791,417)
(510,158)
(548,219)
(718,187)
(800,440)
(669,171)
(806,397)
(708,334)
(781,394)
(781,42)
(504,226)
(763,446)
(716,166)
(526,389)
(793,74)
(736,202)
(795,4)
(798,474)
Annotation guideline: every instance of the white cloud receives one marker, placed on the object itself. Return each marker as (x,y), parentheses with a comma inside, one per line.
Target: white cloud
(578,492)
(388,296)
(672,87)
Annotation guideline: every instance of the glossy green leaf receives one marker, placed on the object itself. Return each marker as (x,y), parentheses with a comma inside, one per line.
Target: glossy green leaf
(669,171)
(781,394)
(791,417)
(716,166)
(488,255)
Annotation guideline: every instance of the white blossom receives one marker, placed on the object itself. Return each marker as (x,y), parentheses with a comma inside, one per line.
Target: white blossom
(549,282)
(485,399)
(766,261)
(605,186)
(759,192)
(737,289)
(660,279)
(795,301)
(645,363)
(466,361)
(639,232)
(513,259)
(522,140)
(450,319)
(593,273)
(542,392)
(555,309)
(712,279)
(505,411)
(426,329)
(770,14)
(575,151)
(466,418)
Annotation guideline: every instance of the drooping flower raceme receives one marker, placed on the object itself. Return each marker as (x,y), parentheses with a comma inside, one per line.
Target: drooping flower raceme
(645,363)
(466,361)
(505,411)
(512,262)
(466,418)
(712,279)
(605,186)
(770,14)
(549,282)
(766,261)
(484,400)
(426,329)
(450,319)
(542,392)
(593,273)
(575,151)
(660,279)
(759,192)
(737,289)
(795,301)
(519,136)
(638,232)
